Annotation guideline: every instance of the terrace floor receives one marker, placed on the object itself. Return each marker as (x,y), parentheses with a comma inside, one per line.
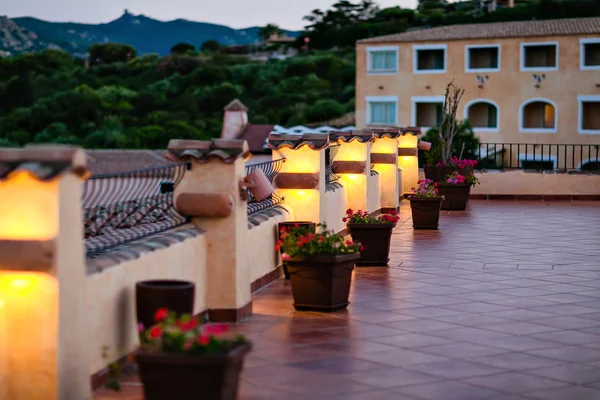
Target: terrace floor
(502,303)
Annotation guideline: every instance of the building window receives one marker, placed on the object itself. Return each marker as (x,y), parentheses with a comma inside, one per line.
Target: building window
(589,115)
(427,112)
(590,166)
(589,49)
(538,116)
(483,115)
(429,59)
(382,111)
(482,58)
(539,56)
(537,165)
(382,60)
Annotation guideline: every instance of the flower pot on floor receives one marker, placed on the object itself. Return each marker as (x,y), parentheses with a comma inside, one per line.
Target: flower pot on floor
(288,225)
(435,173)
(172,376)
(456,196)
(177,296)
(322,283)
(426,212)
(375,239)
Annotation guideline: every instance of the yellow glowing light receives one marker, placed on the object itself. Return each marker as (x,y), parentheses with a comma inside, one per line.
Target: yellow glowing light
(28,208)
(301,192)
(351,177)
(406,158)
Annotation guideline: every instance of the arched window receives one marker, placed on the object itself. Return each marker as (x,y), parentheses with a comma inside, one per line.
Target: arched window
(590,166)
(483,115)
(538,116)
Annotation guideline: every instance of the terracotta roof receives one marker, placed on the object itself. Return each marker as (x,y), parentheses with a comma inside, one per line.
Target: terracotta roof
(102,162)
(235,105)
(256,136)
(552,27)
(225,150)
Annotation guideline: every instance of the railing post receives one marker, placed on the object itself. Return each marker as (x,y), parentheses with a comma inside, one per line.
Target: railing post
(210,193)
(353,164)
(301,181)
(384,157)
(408,160)
(43,316)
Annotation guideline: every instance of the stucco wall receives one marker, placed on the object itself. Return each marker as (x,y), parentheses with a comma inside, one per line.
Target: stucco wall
(335,209)
(519,182)
(260,248)
(374,194)
(111,296)
(508,88)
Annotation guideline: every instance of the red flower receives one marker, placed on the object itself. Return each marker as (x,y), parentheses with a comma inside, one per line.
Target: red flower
(321,238)
(348,243)
(214,329)
(299,243)
(349,211)
(394,212)
(161,314)
(344,219)
(296,225)
(361,248)
(155,332)
(187,325)
(203,340)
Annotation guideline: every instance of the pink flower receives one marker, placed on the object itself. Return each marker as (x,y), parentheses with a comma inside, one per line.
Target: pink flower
(140,327)
(361,248)
(214,329)
(285,256)
(203,340)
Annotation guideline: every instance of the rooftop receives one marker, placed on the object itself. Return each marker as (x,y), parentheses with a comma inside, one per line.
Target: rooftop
(497,30)
(498,304)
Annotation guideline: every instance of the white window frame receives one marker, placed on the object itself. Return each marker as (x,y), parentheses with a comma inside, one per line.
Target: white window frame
(468,47)
(377,49)
(422,99)
(580,101)
(415,50)
(487,101)
(538,130)
(380,99)
(534,44)
(529,157)
(582,43)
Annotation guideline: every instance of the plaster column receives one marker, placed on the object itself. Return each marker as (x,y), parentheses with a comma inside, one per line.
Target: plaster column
(301,182)
(43,320)
(210,194)
(408,160)
(353,165)
(384,157)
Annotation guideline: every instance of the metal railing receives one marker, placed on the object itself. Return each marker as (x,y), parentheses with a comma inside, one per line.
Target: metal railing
(124,207)
(540,157)
(270,169)
(330,154)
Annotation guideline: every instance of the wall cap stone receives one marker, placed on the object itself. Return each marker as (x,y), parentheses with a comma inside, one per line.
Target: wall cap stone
(314,141)
(346,137)
(225,150)
(45,162)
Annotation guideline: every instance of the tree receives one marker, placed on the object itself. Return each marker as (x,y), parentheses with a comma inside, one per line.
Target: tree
(450,126)
(265,32)
(182,48)
(324,110)
(210,46)
(107,53)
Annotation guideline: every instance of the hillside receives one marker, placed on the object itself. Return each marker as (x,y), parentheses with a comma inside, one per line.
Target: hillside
(147,35)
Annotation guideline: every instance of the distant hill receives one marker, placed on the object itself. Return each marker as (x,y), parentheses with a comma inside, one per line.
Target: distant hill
(147,35)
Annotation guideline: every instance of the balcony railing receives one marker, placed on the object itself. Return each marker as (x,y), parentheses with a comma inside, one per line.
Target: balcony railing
(540,157)
(330,177)
(270,169)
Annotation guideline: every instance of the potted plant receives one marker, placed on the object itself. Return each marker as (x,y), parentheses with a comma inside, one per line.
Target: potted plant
(456,190)
(175,295)
(181,359)
(425,204)
(374,233)
(320,266)
(283,227)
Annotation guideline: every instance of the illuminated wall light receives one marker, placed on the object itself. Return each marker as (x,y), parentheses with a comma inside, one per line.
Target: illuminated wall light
(406,158)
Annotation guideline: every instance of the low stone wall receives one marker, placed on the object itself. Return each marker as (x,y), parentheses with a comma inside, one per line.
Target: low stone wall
(536,183)
(110,289)
(334,208)
(374,193)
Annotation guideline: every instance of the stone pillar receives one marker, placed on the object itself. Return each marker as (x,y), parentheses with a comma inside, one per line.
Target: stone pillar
(301,181)
(210,193)
(384,157)
(43,320)
(353,165)
(408,160)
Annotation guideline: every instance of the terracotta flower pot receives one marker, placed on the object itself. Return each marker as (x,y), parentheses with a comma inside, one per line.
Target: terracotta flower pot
(288,225)
(375,239)
(177,296)
(322,283)
(456,197)
(426,212)
(168,376)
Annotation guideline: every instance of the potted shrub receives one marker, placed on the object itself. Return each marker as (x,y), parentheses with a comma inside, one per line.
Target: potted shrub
(283,227)
(374,233)
(181,359)
(320,266)
(456,190)
(425,204)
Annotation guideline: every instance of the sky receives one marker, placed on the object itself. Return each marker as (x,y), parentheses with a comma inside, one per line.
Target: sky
(234,13)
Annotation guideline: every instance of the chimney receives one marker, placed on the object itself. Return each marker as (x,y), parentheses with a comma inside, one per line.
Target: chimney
(234,120)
